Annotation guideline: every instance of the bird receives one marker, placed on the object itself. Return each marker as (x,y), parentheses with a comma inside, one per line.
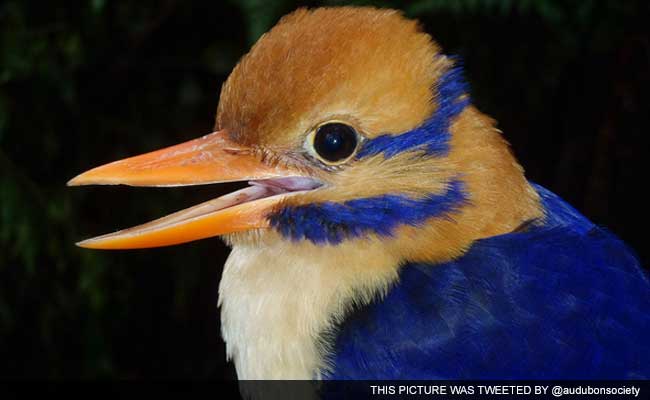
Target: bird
(387,230)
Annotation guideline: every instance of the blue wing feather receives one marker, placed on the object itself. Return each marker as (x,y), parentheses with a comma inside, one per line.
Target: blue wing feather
(565,299)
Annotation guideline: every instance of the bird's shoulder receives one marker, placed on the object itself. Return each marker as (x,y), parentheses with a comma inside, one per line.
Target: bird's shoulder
(559,299)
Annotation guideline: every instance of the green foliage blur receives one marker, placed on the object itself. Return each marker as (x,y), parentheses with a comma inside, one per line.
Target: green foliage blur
(83,83)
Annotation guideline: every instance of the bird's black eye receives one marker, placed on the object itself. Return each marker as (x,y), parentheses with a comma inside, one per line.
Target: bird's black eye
(335,141)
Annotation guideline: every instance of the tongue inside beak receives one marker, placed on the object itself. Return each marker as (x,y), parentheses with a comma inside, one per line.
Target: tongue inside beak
(212,158)
(235,212)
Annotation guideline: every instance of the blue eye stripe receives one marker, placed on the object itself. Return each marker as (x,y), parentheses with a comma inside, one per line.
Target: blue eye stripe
(433,135)
(331,222)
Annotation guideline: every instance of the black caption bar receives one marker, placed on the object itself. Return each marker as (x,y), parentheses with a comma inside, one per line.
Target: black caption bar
(457,390)
(532,390)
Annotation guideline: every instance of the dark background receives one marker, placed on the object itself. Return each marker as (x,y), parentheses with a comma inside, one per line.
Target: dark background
(84,83)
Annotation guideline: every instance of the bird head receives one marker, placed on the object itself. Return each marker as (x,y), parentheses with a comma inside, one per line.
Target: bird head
(351,127)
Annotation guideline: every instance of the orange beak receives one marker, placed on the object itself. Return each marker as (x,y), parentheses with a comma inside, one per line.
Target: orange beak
(210,159)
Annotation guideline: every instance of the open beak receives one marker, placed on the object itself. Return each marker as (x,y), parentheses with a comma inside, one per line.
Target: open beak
(210,159)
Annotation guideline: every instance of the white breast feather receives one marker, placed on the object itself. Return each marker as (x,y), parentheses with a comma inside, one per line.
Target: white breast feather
(279,301)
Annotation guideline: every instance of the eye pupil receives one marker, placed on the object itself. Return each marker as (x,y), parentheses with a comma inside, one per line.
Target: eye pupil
(335,141)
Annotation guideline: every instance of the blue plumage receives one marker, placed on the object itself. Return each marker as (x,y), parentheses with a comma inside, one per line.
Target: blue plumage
(331,222)
(561,299)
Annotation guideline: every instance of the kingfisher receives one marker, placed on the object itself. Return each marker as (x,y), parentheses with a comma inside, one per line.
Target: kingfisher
(386,230)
